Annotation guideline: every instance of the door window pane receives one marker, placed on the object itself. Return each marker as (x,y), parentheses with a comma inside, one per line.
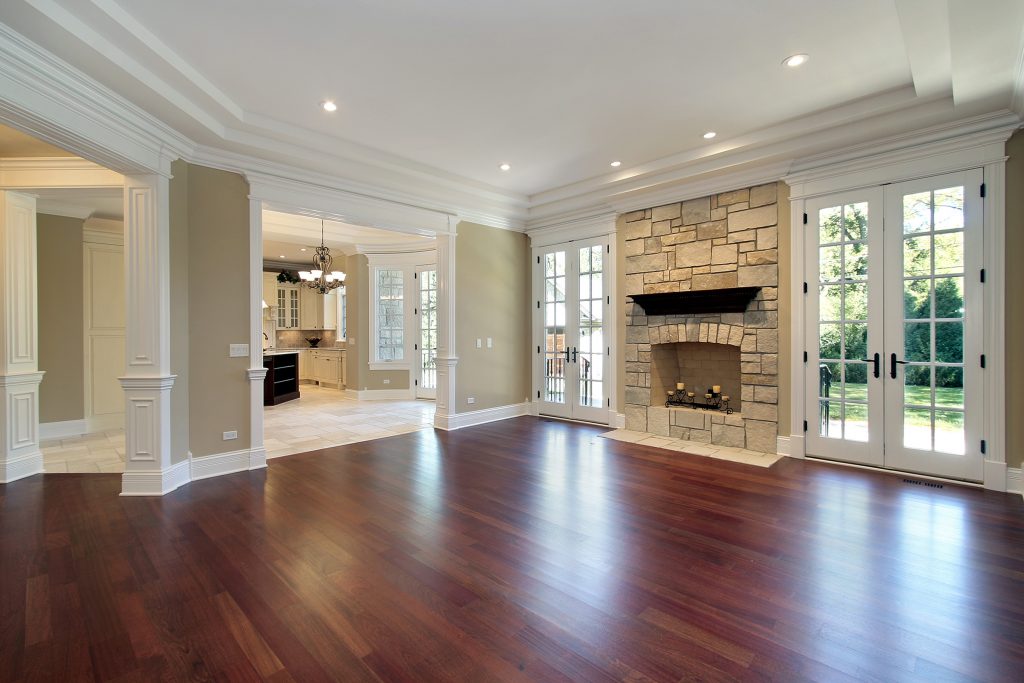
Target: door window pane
(390,314)
(428,329)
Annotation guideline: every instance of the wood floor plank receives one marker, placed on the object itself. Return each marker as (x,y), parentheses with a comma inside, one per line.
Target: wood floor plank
(523,550)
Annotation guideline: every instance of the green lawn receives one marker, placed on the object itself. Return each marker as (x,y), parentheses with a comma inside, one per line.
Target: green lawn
(944,397)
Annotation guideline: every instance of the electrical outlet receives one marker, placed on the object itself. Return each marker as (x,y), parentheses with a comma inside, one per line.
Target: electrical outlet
(387,381)
(490,343)
(238,350)
(228,436)
(471,400)
(479,344)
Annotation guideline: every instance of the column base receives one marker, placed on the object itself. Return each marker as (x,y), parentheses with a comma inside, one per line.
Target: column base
(25,465)
(155,482)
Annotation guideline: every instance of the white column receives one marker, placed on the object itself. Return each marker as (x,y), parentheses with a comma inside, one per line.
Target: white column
(148,381)
(447,360)
(19,328)
(256,372)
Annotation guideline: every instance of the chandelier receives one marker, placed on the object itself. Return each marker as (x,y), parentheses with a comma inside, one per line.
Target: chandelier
(321,278)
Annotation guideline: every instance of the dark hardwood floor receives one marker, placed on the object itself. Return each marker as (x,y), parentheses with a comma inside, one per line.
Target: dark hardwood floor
(526,550)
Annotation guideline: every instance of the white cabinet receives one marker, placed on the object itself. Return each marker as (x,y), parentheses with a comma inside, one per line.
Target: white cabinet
(328,367)
(305,365)
(270,288)
(317,311)
(287,307)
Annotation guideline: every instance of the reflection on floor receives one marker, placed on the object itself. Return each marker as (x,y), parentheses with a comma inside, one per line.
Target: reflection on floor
(740,455)
(89,453)
(325,417)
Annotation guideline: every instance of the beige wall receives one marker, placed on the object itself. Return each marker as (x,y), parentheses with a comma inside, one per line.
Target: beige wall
(492,293)
(218,309)
(179,311)
(1013,308)
(785,312)
(61,332)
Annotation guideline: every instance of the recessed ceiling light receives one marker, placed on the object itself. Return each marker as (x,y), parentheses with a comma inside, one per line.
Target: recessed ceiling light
(616,164)
(710,134)
(302,249)
(505,167)
(282,255)
(795,60)
(328,105)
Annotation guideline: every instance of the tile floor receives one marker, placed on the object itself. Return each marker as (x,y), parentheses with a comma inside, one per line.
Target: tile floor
(325,417)
(740,455)
(89,453)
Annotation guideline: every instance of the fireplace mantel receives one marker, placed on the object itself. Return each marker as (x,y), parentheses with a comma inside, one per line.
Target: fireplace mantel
(728,300)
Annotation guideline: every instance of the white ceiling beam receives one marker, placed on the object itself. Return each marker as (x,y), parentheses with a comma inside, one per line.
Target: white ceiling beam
(925,28)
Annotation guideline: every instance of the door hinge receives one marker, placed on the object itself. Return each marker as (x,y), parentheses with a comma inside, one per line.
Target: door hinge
(609,403)
(983,444)
(538,349)
(609,350)
(538,394)
(982,361)
(805,425)
(538,304)
(415,382)
(609,298)
(805,356)
(538,259)
(805,219)
(608,248)
(983,189)
(415,276)
(982,274)
(805,288)
(415,311)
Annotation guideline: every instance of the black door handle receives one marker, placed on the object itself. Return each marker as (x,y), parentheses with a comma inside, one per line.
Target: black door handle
(893,363)
(574,354)
(567,355)
(877,360)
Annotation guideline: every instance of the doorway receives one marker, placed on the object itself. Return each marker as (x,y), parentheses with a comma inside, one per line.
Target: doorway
(894,326)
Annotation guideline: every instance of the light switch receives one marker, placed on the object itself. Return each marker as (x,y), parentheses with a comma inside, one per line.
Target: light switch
(479,344)
(238,350)
(490,343)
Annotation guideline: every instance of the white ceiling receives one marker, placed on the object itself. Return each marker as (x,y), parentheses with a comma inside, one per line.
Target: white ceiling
(104,202)
(291,238)
(451,88)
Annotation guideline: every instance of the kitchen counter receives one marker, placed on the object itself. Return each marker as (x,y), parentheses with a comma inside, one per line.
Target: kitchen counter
(279,350)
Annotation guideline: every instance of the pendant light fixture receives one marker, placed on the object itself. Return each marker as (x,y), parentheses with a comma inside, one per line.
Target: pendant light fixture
(321,278)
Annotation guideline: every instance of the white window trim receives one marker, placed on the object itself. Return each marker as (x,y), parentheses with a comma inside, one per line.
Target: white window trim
(409,264)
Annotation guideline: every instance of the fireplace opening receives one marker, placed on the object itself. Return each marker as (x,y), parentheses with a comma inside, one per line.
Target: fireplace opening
(699,365)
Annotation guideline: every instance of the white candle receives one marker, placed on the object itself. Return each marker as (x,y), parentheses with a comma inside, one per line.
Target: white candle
(680,386)
(716,389)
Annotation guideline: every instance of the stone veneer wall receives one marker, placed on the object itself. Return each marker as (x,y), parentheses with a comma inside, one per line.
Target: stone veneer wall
(725,240)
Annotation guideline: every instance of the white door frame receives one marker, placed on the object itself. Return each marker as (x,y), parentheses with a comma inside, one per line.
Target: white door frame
(929,153)
(602,226)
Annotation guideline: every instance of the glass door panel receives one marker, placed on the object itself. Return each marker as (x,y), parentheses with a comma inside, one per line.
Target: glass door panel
(935,248)
(844,327)
(573,348)
(427,344)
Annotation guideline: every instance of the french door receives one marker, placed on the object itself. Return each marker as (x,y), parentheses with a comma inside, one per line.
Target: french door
(426,344)
(572,348)
(894,324)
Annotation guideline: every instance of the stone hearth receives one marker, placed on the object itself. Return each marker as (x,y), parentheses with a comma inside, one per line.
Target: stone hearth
(721,241)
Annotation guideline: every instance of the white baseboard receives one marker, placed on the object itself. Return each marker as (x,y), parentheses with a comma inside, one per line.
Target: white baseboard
(794,446)
(994,475)
(479,417)
(104,423)
(62,430)
(782,445)
(1015,480)
(380,394)
(227,463)
(157,483)
(21,466)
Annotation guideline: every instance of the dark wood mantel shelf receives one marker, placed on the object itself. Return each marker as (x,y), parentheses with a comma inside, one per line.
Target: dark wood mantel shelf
(730,300)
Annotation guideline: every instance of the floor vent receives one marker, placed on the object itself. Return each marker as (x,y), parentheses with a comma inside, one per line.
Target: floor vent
(918,482)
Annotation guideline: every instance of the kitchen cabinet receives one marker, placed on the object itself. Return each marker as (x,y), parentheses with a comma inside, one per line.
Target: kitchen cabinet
(318,311)
(287,307)
(282,381)
(270,289)
(328,367)
(305,365)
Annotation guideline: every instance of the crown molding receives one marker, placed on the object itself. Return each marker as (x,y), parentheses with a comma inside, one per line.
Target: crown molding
(56,172)
(54,207)
(572,229)
(397,248)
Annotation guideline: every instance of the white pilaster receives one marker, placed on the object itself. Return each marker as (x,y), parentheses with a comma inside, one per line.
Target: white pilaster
(447,360)
(148,381)
(19,327)
(256,372)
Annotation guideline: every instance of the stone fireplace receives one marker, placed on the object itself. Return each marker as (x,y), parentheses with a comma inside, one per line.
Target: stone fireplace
(708,248)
